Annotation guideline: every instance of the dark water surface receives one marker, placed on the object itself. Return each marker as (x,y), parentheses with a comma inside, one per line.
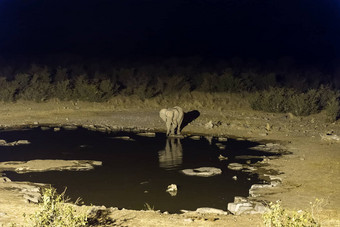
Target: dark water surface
(134,172)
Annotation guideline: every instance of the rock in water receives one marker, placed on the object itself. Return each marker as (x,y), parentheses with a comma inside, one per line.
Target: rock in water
(202,171)
(172,189)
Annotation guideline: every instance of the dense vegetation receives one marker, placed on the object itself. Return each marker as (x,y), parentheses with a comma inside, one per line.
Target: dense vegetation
(283,88)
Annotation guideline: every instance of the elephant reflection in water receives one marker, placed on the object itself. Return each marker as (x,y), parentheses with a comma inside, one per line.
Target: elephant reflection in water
(172,155)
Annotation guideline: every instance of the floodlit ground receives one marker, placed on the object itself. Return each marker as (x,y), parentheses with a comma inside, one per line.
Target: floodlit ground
(311,171)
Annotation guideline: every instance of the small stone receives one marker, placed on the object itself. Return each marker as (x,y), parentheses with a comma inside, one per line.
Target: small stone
(290,116)
(235,166)
(147,134)
(195,137)
(35,123)
(127,138)
(56,129)
(209,125)
(208,210)
(172,189)
(102,129)
(70,127)
(202,171)
(4,179)
(188,220)
(330,137)
(222,139)
(20,142)
(240,199)
(222,158)
(240,208)
(234,177)
(3,142)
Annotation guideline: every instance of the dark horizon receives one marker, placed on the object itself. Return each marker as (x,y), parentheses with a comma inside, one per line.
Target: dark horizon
(257,29)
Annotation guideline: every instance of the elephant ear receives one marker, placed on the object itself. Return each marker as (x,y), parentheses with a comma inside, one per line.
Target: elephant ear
(162,114)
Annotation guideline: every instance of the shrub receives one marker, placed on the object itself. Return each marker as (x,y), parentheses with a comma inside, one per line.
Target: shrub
(36,87)
(140,85)
(7,90)
(85,90)
(228,83)
(206,82)
(174,85)
(61,75)
(333,109)
(271,100)
(62,90)
(280,217)
(108,88)
(283,100)
(54,211)
(303,104)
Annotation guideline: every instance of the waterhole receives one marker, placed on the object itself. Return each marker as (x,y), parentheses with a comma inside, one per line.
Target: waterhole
(136,170)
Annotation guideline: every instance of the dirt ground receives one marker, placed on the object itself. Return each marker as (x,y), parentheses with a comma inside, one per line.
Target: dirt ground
(310,171)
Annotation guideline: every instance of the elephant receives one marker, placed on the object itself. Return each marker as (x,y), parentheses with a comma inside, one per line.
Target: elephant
(173,118)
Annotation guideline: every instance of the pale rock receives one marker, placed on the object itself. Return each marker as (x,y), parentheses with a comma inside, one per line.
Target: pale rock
(222,158)
(235,166)
(147,134)
(330,137)
(202,171)
(44,128)
(172,189)
(70,127)
(4,179)
(195,137)
(209,125)
(222,139)
(208,210)
(127,138)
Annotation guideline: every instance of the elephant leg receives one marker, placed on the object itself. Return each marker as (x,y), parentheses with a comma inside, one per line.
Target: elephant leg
(168,127)
(179,127)
(173,127)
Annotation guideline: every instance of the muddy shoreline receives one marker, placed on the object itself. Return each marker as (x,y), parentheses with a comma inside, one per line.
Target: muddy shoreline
(304,175)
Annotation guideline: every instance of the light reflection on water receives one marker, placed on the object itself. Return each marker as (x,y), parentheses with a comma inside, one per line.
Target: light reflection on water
(171,157)
(135,171)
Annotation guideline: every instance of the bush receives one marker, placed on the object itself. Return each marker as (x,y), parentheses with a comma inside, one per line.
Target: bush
(271,100)
(174,85)
(228,83)
(140,85)
(85,90)
(283,100)
(35,85)
(7,90)
(62,90)
(279,217)
(333,109)
(54,211)
(108,88)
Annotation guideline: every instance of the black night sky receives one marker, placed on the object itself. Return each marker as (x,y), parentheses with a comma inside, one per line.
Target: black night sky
(260,29)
